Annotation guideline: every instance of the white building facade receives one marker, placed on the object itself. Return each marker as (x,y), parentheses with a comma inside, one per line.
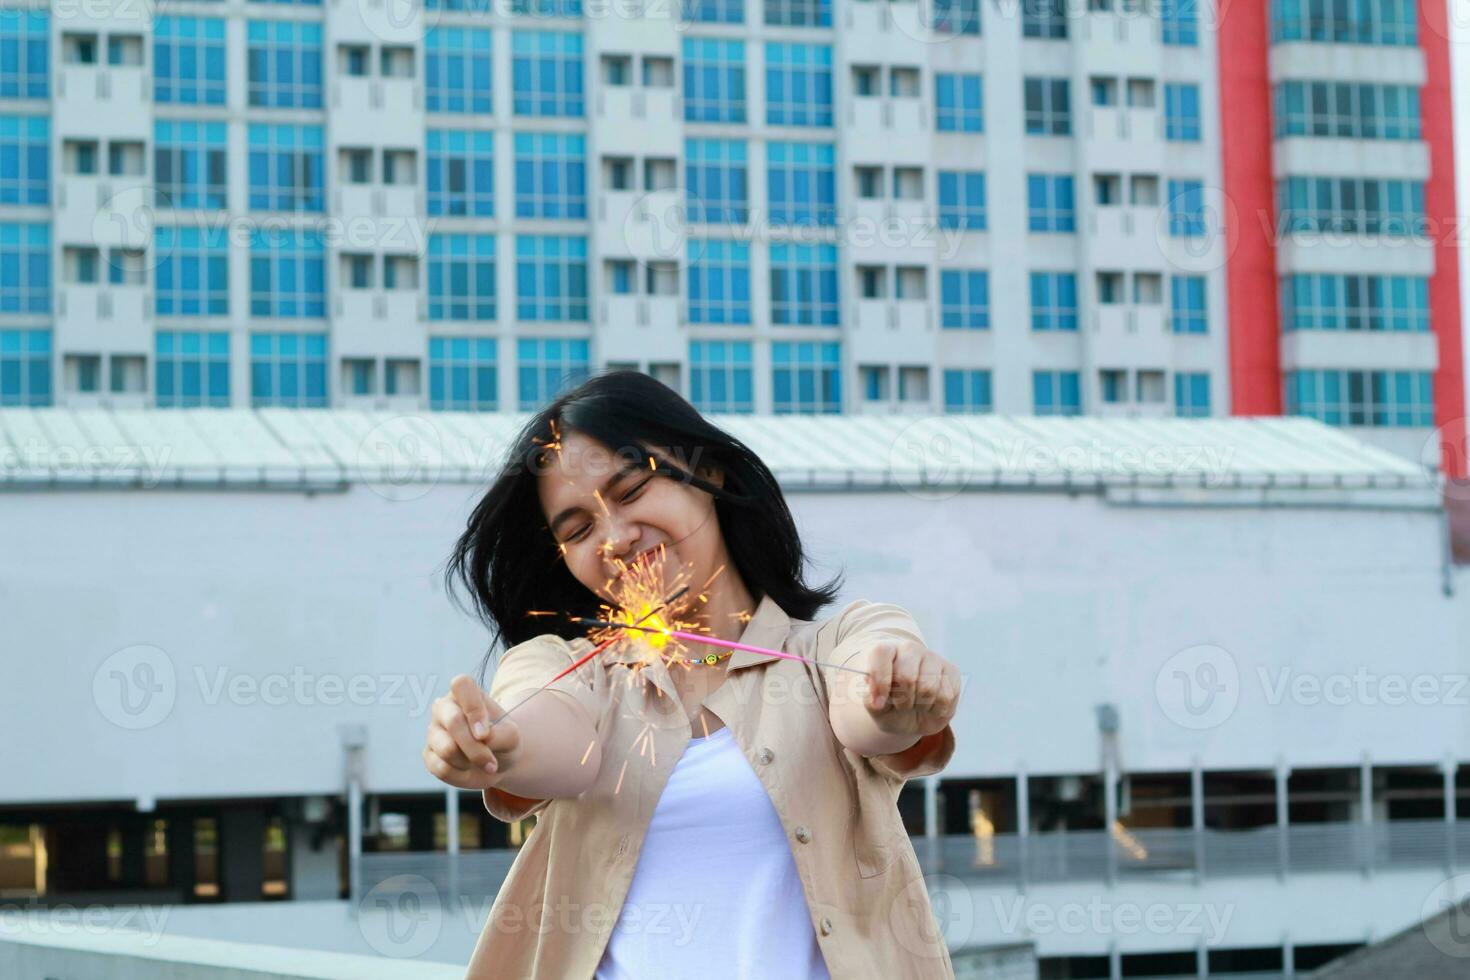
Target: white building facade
(1213,718)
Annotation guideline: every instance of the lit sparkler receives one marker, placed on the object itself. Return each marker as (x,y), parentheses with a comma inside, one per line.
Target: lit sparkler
(711,640)
(600,647)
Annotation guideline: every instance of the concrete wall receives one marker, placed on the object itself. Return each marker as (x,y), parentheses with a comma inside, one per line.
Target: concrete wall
(168,644)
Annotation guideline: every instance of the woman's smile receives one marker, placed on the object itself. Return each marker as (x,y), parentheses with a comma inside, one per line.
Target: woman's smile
(642,559)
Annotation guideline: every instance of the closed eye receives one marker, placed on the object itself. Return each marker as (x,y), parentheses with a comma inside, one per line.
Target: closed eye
(634,491)
(628,497)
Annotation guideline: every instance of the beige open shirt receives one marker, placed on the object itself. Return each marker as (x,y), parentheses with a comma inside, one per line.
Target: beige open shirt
(865,894)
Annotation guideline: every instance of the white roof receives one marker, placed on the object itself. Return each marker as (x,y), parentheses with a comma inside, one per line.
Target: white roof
(331,449)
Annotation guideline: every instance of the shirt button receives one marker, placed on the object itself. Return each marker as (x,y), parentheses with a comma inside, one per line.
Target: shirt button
(765,757)
(826,926)
(803,834)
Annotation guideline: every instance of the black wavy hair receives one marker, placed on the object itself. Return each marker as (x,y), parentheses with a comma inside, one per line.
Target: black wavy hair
(509,562)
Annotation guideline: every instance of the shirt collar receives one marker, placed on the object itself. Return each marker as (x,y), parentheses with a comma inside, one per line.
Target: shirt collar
(768,627)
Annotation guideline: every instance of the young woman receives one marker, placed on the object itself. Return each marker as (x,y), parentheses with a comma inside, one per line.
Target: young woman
(701,811)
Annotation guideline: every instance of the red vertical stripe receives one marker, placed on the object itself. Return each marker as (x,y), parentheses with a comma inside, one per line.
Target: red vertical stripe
(1250,270)
(1435,103)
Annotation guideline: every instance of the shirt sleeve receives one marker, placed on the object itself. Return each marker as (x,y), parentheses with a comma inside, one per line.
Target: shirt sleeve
(916,761)
(522,670)
(858,626)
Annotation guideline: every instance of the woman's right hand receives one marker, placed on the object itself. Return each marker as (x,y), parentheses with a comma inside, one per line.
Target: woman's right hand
(462,742)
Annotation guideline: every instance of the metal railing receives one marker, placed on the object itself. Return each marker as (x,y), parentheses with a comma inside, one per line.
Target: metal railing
(1304,848)
(1057,856)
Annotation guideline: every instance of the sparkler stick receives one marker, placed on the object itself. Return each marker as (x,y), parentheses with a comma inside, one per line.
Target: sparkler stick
(711,640)
(592,653)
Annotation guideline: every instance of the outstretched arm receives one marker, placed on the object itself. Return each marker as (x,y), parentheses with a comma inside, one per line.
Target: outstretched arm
(549,749)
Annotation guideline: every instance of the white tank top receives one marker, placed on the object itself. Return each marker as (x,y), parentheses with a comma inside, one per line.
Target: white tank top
(715,890)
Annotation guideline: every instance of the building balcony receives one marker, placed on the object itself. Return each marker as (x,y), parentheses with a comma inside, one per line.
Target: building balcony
(398,202)
(1118,43)
(1402,159)
(1124,222)
(648,225)
(379,322)
(906,315)
(870,212)
(1382,350)
(639,121)
(102,101)
(359,106)
(1132,410)
(886,128)
(105,211)
(1126,335)
(888,32)
(1126,139)
(874,315)
(890,331)
(1354,253)
(652,313)
(1131,124)
(103,317)
(1388,64)
(910,315)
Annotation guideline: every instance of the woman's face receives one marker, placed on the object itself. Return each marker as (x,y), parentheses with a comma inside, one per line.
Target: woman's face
(606,509)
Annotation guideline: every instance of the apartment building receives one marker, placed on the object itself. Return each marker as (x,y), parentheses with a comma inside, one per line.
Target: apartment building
(1115,207)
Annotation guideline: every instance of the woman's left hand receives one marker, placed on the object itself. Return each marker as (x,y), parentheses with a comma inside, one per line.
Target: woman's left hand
(911,689)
